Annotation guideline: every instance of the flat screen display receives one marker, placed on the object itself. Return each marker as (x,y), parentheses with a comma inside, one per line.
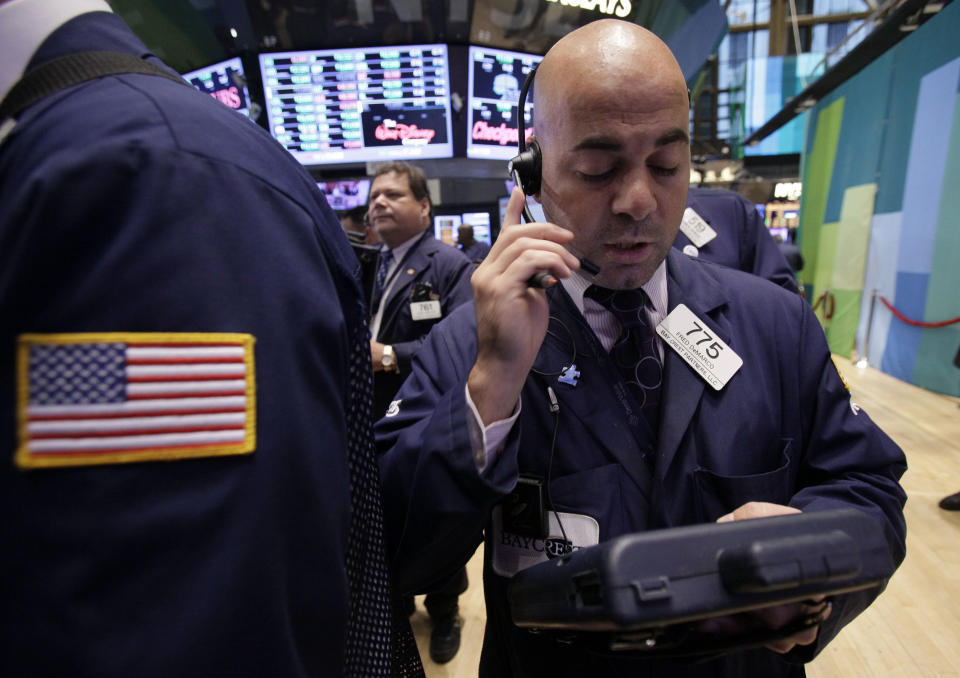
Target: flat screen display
(345,195)
(445,227)
(481,225)
(781,232)
(360,105)
(494,83)
(536,210)
(225,82)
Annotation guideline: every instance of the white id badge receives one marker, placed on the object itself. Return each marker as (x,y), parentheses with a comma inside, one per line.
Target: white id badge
(696,344)
(696,229)
(514,552)
(425,310)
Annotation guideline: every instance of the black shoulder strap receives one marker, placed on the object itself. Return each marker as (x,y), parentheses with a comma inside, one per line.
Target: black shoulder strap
(72,69)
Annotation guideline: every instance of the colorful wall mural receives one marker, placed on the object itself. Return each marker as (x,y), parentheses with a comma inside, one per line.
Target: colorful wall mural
(881,209)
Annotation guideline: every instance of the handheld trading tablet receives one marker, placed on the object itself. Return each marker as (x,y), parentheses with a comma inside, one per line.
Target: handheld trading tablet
(645,592)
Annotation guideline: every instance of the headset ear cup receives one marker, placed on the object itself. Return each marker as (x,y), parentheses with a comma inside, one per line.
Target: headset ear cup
(527,165)
(536,165)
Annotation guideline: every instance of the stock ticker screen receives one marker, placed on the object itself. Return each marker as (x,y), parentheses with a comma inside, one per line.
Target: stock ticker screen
(225,82)
(360,104)
(495,79)
(345,195)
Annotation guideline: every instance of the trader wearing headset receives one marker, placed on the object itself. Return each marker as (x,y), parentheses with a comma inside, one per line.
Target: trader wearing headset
(524,397)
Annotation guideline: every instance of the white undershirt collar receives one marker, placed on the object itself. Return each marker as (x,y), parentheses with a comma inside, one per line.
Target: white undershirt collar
(25,24)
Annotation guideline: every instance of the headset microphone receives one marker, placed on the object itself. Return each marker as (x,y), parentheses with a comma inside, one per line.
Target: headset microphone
(525,169)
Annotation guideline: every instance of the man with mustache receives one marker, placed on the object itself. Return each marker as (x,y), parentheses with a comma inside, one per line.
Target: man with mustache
(420,281)
(571,392)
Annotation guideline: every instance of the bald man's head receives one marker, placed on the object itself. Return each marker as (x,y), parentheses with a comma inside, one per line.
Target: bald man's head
(605,59)
(612,120)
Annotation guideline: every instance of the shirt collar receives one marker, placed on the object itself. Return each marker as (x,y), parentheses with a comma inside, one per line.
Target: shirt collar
(400,251)
(25,24)
(656,289)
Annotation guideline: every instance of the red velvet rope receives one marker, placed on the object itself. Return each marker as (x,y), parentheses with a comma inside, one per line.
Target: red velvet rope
(917,322)
(828,304)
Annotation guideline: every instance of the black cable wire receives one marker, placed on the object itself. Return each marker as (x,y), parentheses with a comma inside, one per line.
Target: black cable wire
(521,105)
(553,446)
(573,343)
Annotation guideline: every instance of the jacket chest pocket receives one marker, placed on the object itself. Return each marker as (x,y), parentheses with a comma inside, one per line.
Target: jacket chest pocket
(718,493)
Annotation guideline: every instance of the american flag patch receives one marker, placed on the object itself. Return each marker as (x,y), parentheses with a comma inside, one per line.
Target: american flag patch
(125,397)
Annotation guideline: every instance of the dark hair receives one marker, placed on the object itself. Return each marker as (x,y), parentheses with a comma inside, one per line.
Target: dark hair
(415,178)
(356,213)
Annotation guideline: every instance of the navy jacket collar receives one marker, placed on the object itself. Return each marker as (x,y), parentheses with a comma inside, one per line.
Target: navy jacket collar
(692,283)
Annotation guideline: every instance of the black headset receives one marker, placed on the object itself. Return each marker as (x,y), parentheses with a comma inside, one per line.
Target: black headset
(525,167)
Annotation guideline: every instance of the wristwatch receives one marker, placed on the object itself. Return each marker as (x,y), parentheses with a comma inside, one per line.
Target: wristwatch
(389,359)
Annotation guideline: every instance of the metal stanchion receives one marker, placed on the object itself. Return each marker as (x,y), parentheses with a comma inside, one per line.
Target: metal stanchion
(863,360)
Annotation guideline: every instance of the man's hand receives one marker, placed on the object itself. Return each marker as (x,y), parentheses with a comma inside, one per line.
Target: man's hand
(776,616)
(512,317)
(768,618)
(757,509)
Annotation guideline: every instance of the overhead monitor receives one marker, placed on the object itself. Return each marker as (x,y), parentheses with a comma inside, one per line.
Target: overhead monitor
(481,225)
(225,82)
(493,89)
(536,209)
(342,106)
(345,195)
(446,226)
(781,232)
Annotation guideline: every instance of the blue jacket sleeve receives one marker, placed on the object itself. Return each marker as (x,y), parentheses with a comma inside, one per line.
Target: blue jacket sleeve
(849,462)
(436,503)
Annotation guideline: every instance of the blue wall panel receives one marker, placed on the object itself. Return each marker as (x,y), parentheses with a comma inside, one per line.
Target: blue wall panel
(858,153)
(881,275)
(928,48)
(926,166)
(903,341)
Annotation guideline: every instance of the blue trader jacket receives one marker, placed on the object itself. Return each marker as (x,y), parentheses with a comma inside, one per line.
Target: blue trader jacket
(782,430)
(742,241)
(133,205)
(431,270)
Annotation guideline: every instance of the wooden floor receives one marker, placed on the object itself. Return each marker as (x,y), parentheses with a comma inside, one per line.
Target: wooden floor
(913,629)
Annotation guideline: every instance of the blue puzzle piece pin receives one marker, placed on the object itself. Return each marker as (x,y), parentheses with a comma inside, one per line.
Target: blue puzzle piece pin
(569,375)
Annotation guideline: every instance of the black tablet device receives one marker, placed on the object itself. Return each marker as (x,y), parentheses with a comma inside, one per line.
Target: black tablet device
(645,592)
